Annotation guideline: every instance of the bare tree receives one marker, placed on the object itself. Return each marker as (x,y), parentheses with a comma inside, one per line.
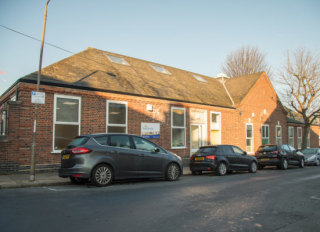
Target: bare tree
(301,80)
(246,60)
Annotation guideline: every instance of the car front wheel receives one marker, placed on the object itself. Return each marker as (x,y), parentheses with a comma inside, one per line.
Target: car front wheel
(284,164)
(173,172)
(301,163)
(253,167)
(102,175)
(221,169)
(317,162)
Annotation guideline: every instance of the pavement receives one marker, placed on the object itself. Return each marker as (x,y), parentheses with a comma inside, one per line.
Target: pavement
(41,179)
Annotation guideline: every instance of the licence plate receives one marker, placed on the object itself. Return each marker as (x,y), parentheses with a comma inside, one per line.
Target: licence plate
(199,158)
(265,159)
(65,157)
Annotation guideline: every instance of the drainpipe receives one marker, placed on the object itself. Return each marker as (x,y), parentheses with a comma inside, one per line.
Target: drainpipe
(222,80)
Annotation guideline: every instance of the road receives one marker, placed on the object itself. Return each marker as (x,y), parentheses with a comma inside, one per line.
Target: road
(269,200)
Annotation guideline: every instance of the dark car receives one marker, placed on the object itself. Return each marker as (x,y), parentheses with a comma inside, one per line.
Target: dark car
(311,156)
(222,159)
(102,158)
(279,155)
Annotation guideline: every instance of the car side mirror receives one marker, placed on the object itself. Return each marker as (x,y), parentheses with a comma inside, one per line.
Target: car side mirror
(157,149)
(245,153)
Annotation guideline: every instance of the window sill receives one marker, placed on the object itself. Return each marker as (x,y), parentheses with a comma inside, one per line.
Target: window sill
(55,152)
(178,147)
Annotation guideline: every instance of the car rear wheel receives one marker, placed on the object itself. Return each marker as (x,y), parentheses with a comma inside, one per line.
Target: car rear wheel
(173,172)
(102,175)
(253,167)
(284,164)
(222,169)
(301,163)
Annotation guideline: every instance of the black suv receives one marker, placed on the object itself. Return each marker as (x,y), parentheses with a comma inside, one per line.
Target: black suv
(221,158)
(279,155)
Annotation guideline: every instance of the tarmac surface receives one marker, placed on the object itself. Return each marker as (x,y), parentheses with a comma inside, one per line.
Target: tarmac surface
(41,179)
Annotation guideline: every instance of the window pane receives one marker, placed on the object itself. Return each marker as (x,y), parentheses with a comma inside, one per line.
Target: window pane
(64,134)
(116,129)
(67,110)
(178,136)
(249,131)
(249,145)
(278,131)
(265,141)
(142,144)
(103,140)
(178,117)
(120,141)
(117,113)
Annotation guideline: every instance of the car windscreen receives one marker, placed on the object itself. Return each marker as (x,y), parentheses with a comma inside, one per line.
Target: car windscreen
(309,151)
(268,148)
(78,141)
(207,150)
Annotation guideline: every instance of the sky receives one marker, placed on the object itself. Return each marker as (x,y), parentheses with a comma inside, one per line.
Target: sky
(194,35)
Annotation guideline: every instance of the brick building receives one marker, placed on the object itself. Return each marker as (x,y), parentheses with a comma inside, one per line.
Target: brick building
(97,92)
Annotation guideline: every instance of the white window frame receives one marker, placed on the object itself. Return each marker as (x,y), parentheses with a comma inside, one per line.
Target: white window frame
(299,137)
(64,123)
(289,128)
(264,136)
(178,127)
(252,138)
(107,115)
(3,120)
(279,138)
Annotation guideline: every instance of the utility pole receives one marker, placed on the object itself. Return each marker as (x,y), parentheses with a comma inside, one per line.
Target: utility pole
(33,149)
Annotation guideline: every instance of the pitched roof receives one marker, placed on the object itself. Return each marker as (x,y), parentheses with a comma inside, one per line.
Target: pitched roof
(93,70)
(239,87)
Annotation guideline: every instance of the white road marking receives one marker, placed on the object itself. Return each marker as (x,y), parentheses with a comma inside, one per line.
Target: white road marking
(315,198)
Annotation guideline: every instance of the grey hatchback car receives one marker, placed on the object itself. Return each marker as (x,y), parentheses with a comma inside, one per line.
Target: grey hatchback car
(102,158)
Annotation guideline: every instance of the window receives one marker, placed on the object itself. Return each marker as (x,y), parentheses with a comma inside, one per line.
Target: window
(103,139)
(299,137)
(278,135)
(117,119)
(120,141)
(249,137)
(308,139)
(215,128)
(116,59)
(291,136)
(178,125)
(66,120)
(265,134)
(142,144)
(160,69)
(199,78)
(3,121)
(237,150)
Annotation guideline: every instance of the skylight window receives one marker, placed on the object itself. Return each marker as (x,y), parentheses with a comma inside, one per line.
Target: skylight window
(160,69)
(116,59)
(199,78)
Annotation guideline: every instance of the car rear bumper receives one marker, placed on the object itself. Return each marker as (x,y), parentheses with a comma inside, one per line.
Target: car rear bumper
(271,162)
(203,166)
(75,172)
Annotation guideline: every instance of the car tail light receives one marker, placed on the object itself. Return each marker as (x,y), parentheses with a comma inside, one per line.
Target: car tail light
(213,157)
(80,150)
(77,175)
(191,158)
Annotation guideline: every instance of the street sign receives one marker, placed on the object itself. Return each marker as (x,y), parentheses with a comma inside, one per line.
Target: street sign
(38,97)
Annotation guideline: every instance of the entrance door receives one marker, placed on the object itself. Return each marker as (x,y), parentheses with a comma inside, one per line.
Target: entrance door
(196,137)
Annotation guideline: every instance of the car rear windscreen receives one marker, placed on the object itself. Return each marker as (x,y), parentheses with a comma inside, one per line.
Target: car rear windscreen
(309,151)
(78,141)
(208,150)
(268,148)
